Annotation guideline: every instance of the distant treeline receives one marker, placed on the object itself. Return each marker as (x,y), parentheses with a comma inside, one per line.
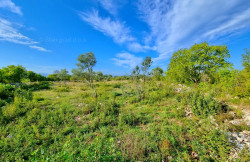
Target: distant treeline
(19,74)
(201,64)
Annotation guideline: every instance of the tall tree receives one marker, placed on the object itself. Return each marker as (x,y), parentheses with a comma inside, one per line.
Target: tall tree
(146,64)
(201,59)
(85,65)
(246,59)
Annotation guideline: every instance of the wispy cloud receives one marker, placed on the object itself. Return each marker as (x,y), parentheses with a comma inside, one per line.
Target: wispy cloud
(126,59)
(110,5)
(8,4)
(10,34)
(113,28)
(39,48)
(178,24)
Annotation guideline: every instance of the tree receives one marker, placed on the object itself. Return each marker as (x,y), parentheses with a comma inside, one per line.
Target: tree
(85,65)
(246,59)
(63,75)
(136,78)
(31,76)
(157,73)
(53,77)
(13,74)
(99,76)
(146,64)
(136,75)
(1,76)
(201,59)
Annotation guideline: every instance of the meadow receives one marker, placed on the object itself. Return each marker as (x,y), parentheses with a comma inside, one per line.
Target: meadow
(196,111)
(65,123)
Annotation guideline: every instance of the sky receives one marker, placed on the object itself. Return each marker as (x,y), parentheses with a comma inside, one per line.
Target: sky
(48,35)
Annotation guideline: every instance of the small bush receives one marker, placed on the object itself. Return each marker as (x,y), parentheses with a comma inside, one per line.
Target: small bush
(205,105)
(6,91)
(117,85)
(62,89)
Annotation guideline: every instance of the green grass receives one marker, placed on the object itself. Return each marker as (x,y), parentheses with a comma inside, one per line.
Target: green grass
(66,123)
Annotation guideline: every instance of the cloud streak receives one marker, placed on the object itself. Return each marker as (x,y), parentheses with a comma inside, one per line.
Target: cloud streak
(9,33)
(126,59)
(115,29)
(112,28)
(178,24)
(8,4)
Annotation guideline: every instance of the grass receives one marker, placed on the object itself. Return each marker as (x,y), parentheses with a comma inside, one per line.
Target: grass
(66,123)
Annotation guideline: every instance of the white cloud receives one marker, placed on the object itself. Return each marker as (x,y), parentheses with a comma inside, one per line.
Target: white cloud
(11,34)
(177,24)
(8,4)
(127,60)
(110,5)
(39,48)
(137,47)
(113,28)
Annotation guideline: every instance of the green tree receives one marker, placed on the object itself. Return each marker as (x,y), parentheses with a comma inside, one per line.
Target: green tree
(85,65)
(1,76)
(246,59)
(31,76)
(146,64)
(201,59)
(14,74)
(63,74)
(99,76)
(157,73)
(136,78)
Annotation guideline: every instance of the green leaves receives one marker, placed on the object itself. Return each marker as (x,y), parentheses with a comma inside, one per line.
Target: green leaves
(86,61)
(191,64)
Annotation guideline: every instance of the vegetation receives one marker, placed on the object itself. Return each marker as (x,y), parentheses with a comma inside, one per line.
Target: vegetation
(182,116)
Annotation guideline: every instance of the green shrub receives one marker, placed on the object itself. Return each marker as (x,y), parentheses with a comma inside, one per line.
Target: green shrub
(117,85)
(62,89)
(206,105)
(6,91)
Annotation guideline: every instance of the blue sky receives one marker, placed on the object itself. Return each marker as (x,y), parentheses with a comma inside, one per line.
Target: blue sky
(47,35)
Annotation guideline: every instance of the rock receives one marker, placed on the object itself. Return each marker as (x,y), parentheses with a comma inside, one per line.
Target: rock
(241,140)
(178,90)
(9,136)
(80,104)
(232,113)
(78,118)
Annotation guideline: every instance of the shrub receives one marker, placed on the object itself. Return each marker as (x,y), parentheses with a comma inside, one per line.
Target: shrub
(206,105)
(6,91)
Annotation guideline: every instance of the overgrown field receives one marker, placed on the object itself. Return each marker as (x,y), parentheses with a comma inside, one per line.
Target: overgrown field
(63,121)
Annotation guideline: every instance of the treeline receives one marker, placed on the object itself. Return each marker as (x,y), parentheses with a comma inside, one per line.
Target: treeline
(18,74)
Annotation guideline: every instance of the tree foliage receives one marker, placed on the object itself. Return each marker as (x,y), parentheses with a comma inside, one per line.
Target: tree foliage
(13,74)
(246,59)
(201,59)
(157,73)
(85,65)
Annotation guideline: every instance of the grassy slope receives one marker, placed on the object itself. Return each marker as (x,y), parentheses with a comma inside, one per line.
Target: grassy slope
(66,123)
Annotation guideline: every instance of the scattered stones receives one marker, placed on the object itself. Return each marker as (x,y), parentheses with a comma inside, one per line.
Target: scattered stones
(78,118)
(241,140)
